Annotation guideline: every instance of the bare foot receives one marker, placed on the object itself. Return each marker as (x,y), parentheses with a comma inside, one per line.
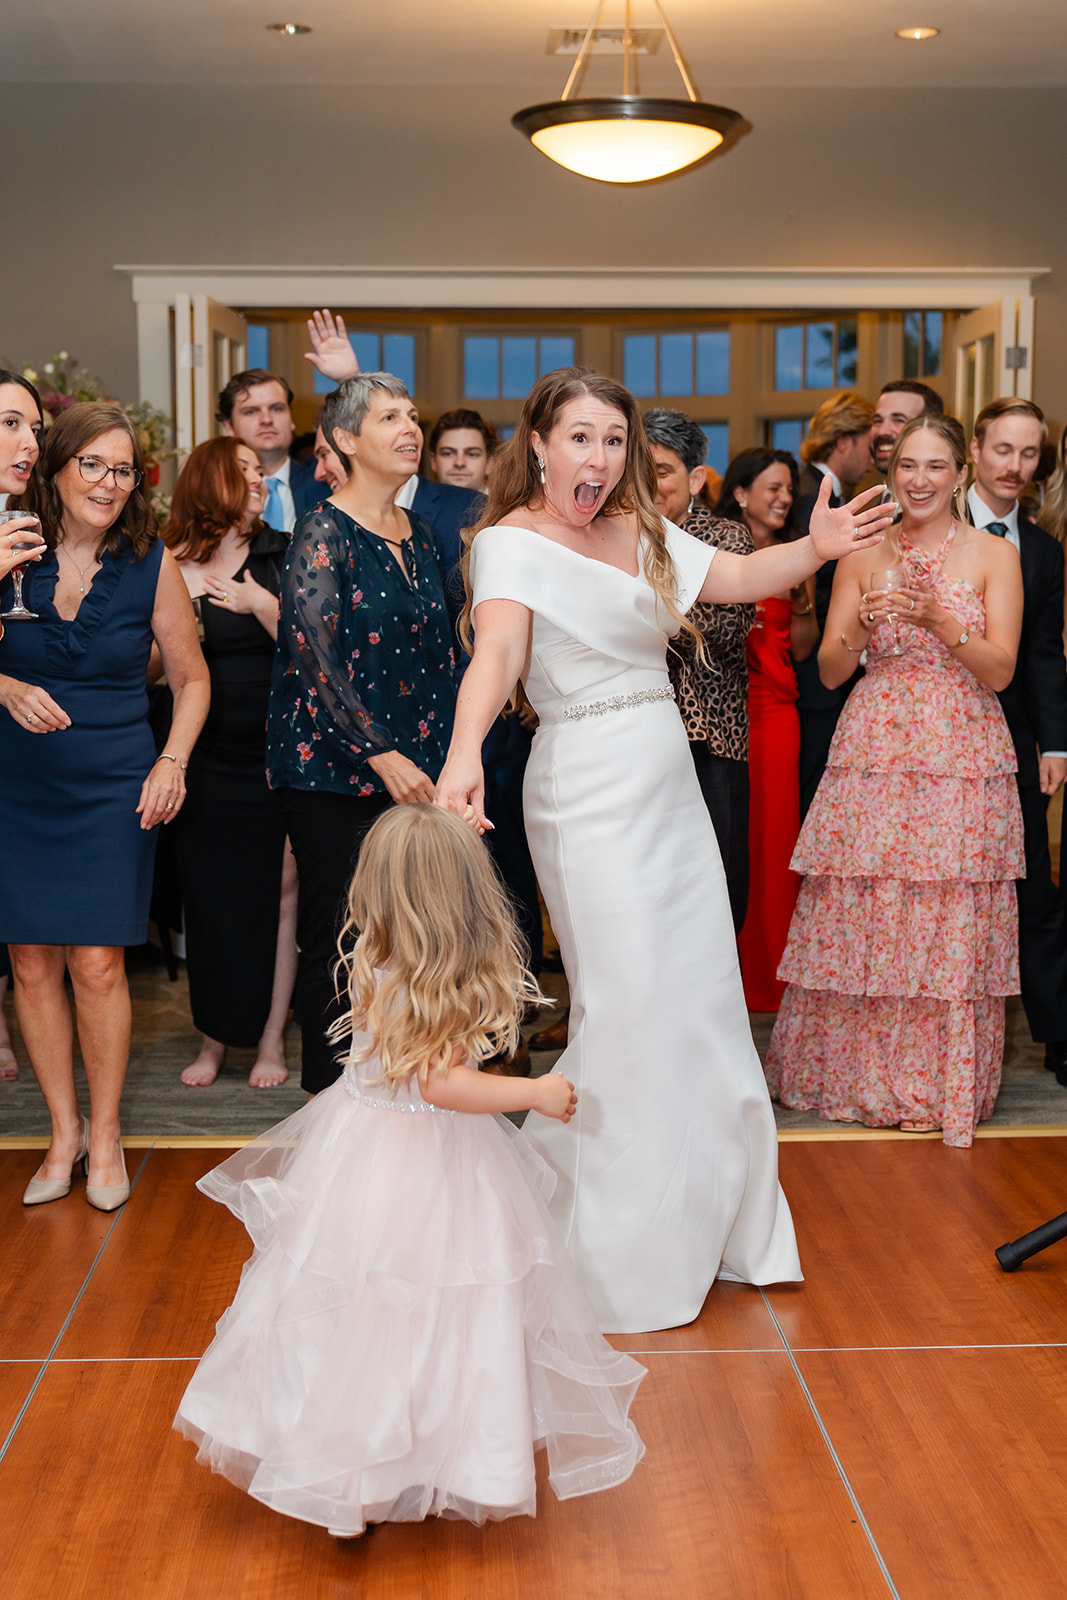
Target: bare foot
(920,1127)
(270,1069)
(205,1069)
(9,1067)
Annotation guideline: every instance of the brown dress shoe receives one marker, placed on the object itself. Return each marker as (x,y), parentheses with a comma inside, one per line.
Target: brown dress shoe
(555,1037)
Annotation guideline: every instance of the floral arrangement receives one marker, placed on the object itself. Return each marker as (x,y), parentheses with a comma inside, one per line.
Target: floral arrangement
(63,382)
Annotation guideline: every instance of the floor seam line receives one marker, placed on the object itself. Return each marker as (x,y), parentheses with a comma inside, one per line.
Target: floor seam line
(75,1303)
(834,1457)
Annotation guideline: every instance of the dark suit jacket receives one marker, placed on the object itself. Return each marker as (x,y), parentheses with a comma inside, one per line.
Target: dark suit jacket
(307,494)
(1035,701)
(448,510)
(814,696)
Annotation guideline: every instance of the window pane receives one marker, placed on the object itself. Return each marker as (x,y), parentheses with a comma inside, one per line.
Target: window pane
(819,366)
(786,434)
(931,343)
(398,357)
(718,452)
(913,322)
(713,361)
(258,345)
(481,378)
(639,363)
(676,363)
(788,356)
(504,430)
(518,363)
(846,352)
(557,350)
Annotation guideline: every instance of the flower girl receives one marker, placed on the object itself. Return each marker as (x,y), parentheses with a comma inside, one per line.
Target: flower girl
(410,1328)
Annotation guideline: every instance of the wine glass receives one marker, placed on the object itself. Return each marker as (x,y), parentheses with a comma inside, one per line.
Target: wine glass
(889,579)
(17,611)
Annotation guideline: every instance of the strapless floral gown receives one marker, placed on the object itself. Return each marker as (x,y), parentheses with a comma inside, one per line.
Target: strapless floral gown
(904,941)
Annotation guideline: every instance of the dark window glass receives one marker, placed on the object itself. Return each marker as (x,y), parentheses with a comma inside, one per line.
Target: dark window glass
(481,368)
(786,434)
(846,352)
(932,331)
(913,332)
(819,365)
(557,350)
(639,364)
(676,363)
(713,361)
(718,452)
(518,366)
(398,357)
(258,345)
(788,357)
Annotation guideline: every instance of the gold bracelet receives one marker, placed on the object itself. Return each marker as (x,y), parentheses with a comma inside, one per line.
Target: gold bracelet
(807,611)
(165,755)
(853,648)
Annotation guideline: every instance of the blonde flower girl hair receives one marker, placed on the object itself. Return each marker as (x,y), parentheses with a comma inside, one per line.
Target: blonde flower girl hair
(440,965)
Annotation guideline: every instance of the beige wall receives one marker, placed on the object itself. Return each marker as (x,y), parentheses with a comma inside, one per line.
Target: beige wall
(410,177)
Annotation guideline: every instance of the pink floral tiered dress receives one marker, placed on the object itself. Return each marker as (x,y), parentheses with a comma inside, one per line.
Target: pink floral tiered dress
(904,941)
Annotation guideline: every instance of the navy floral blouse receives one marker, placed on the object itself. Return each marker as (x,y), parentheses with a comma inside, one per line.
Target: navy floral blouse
(364,661)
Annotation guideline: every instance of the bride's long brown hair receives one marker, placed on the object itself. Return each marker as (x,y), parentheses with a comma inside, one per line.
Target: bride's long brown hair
(516,480)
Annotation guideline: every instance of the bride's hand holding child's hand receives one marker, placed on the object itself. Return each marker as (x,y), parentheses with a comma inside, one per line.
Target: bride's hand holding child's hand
(555,1096)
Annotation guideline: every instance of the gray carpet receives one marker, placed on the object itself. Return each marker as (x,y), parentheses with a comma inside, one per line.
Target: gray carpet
(157,1104)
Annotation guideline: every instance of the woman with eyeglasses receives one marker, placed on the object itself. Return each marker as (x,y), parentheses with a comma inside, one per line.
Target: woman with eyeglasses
(81,786)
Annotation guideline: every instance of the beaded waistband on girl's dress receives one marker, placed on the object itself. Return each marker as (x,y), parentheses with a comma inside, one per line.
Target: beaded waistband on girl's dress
(618,702)
(383,1103)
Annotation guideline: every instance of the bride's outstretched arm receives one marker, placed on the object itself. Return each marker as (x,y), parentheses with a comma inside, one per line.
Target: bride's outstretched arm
(501,647)
(834,533)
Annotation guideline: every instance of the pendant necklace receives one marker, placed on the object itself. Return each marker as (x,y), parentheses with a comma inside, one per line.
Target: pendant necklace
(81,571)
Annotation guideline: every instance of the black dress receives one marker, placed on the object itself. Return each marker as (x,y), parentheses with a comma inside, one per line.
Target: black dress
(229,835)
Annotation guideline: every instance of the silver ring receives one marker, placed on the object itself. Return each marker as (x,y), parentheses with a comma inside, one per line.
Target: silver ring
(30,717)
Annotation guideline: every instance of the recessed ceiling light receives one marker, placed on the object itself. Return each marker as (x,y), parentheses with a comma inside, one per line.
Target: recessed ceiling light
(289,29)
(917,34)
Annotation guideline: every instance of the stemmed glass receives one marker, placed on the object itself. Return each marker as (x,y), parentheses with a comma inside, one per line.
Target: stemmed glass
(892,578)
(18,611)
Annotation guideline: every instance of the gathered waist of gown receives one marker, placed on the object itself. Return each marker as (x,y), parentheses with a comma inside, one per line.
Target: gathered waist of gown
(614,693)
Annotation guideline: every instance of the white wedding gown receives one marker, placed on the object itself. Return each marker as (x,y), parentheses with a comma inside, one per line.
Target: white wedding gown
(669,1171)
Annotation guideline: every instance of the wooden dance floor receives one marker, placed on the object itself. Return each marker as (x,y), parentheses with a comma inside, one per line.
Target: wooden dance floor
(896,1426)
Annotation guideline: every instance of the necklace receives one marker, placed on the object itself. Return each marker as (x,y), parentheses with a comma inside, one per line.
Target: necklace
(81,571)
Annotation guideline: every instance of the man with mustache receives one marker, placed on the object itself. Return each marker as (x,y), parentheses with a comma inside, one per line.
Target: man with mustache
(1006,448)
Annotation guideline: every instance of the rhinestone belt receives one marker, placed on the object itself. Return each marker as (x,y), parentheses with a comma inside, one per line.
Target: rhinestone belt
(379,1104)
(617,702)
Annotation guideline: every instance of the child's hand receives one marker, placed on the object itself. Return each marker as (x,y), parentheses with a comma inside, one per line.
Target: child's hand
(555,1096)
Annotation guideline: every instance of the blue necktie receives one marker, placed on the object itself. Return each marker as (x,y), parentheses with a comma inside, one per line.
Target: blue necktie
(273,514)
(999,528)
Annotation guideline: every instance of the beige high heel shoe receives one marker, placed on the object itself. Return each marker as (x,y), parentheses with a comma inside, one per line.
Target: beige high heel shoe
(108,1196)
(40,1190)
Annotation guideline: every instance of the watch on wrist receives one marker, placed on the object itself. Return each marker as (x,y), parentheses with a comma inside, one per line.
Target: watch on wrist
(962,640)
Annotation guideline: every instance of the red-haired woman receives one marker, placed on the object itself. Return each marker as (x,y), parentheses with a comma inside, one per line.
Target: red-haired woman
(238,880)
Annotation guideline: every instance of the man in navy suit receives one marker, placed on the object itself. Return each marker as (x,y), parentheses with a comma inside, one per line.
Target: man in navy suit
(1006,448)
(254,407)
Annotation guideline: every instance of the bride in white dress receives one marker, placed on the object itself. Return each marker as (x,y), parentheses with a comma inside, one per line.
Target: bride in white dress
(669,1172)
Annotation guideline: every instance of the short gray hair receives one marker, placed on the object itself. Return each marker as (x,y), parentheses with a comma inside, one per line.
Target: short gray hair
(349,403)
(673,430)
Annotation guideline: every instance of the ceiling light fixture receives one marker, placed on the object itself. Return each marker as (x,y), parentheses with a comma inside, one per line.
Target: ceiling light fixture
(289,29)
(627,138)
(917,34)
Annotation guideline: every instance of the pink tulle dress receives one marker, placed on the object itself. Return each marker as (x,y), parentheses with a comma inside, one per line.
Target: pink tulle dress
(409,1328)
(904,941)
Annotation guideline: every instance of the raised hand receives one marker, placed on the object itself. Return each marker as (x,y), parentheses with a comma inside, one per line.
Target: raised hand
(330,350)
(836,532)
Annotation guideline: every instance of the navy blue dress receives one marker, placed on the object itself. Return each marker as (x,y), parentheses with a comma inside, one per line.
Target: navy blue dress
(78,867)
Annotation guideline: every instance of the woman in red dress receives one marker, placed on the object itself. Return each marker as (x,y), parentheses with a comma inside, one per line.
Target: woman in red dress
(760,490)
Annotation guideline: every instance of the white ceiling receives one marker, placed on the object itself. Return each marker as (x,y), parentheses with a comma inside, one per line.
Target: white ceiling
(755,43)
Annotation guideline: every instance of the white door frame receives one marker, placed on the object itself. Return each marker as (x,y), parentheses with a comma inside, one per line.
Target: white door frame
(156,291)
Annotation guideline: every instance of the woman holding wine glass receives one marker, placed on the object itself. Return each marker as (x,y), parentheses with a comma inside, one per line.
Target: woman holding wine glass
(81,786)
(904,945)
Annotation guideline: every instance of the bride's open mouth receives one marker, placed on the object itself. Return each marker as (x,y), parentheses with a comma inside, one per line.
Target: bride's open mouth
(587,496)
